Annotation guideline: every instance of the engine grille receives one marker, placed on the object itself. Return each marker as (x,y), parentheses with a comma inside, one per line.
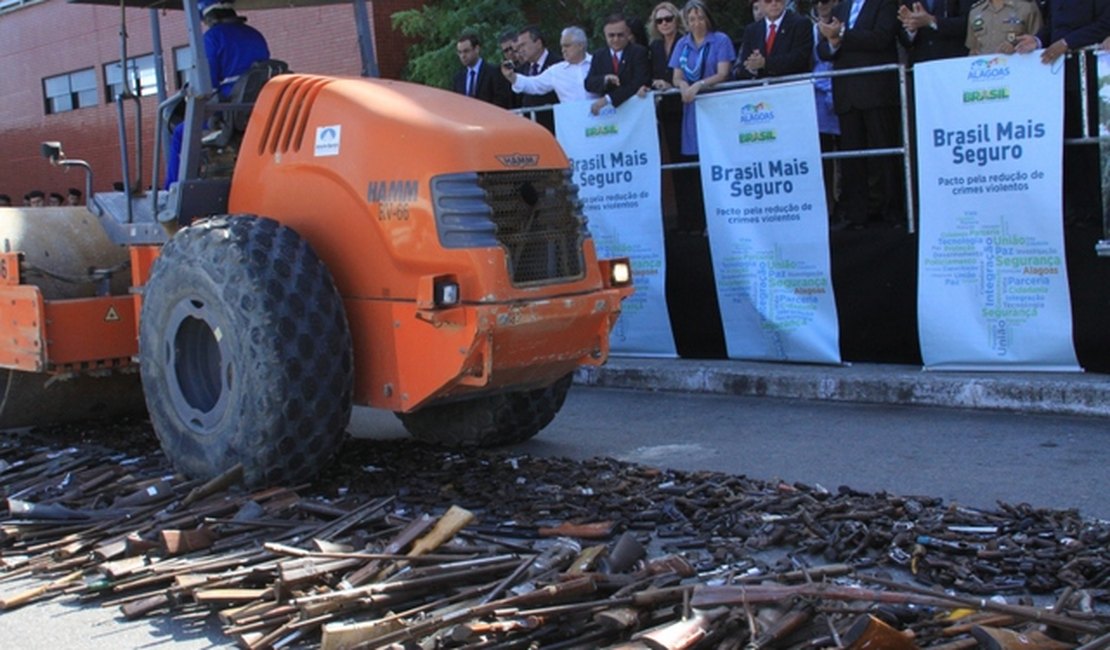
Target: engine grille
(535,216)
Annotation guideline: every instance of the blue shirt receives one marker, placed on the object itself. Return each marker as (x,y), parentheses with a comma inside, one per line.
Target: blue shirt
(697,64)
(232,47)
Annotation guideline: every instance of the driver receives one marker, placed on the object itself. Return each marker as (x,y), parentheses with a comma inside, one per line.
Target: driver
(232,47)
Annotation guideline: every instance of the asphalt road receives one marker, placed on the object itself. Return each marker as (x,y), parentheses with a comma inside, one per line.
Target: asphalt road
(973,458)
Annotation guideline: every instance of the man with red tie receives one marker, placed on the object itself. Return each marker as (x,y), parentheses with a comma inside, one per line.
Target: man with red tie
(780,44)
(620,69)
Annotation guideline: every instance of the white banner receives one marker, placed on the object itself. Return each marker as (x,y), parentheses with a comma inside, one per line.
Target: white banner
(1104,124)
(615,157)
(992,283)
(768,223)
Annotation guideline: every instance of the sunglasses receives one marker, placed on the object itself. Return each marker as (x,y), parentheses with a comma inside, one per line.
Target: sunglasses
(659,20)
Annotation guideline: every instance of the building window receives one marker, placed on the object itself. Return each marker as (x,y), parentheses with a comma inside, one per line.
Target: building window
(182,62)
(67,92)
(140,75)
(12,5)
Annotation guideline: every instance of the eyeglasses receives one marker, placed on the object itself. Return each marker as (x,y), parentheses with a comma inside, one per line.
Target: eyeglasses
(506,51)
(659,20)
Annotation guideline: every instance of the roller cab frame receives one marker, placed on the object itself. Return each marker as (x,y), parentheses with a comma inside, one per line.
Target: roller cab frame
(375,242)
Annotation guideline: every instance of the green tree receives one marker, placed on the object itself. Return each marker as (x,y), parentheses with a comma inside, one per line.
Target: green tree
(438,24)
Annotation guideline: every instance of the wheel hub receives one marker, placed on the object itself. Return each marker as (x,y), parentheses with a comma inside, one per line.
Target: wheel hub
(200,378)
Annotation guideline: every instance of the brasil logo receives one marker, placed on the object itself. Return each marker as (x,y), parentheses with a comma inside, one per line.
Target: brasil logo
(603,129)
(749,137)
(986,95)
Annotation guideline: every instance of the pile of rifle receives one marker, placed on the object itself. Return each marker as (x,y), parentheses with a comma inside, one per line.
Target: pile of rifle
(484,550)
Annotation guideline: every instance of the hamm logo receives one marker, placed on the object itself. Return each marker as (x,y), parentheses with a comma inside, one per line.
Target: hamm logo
(751,137)
(760,112)
(519,159)
(989,69)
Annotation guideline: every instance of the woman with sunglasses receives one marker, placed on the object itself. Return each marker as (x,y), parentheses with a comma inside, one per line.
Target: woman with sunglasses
(665,28)
(665,25)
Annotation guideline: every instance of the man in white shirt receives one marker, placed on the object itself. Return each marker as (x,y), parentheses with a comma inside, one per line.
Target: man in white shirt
(566,78)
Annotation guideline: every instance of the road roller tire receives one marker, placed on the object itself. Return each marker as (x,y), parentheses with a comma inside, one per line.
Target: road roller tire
(245,352)
(489,421)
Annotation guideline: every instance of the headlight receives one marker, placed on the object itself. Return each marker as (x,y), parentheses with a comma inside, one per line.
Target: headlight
(438,292)
(446,293)
(620,272)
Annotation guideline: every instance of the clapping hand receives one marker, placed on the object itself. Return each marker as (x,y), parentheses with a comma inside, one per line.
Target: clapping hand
(916,18)
(831,31)
(755,62)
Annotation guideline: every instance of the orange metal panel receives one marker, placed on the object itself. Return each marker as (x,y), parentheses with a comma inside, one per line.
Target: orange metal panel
(376,252)
(22,328)
(9,268)
(142,258)
(90,331)
(471,348)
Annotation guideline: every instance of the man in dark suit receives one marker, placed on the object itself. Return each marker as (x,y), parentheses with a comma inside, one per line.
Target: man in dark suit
(780,44)
(934,29)
(862,33)
(506,41)
(1070,25)
(619,70)
(479,79)
(533,57)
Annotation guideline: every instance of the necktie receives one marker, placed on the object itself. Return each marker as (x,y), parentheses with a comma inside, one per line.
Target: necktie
(770,37)
(535,70)
(470,83)
(616,63)
(854,13)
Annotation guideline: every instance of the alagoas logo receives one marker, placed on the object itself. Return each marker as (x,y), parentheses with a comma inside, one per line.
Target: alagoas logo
(989,69)
(519,159)
(760,112)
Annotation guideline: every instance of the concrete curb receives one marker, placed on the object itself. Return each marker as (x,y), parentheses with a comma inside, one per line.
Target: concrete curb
(1054,393)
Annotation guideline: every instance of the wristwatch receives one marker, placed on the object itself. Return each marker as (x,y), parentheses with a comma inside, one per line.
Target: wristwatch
(843,28)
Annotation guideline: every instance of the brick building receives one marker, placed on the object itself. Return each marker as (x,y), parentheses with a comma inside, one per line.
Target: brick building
(60,64)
